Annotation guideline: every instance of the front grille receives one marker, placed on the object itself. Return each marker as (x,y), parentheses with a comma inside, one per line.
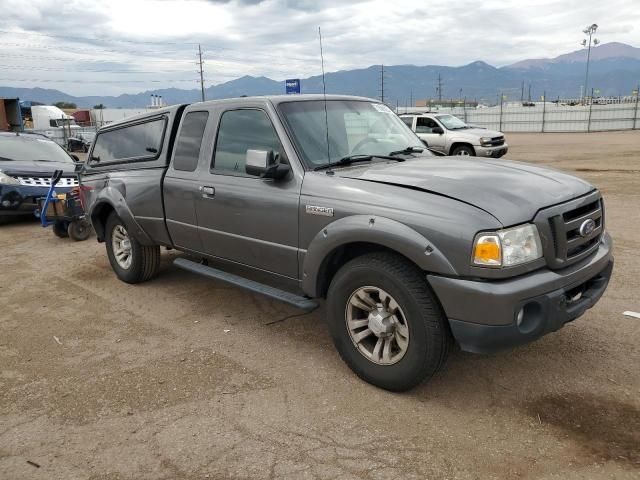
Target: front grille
(497,141)
(571,231)
(46,181)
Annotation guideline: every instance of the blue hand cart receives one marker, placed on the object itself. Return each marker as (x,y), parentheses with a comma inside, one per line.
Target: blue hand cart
(64,212)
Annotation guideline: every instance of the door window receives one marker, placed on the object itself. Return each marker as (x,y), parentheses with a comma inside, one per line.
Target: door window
(425,125)
(190,141)
(239,131)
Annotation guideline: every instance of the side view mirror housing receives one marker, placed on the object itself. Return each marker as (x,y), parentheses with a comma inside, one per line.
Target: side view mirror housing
(265,164)
(437,130)
(75,157)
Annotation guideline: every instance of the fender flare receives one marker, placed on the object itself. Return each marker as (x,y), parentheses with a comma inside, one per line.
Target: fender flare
(370,229)
(112,197)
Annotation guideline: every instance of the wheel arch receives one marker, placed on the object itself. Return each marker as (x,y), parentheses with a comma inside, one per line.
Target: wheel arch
(110,200)
(357,235)
(460,143)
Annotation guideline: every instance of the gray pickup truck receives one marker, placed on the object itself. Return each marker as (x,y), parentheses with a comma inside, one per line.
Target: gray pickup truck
(337,198)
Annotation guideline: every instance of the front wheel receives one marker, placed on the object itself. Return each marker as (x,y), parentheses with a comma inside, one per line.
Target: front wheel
(60,229)
(464,150)
(131,261)
(386,322)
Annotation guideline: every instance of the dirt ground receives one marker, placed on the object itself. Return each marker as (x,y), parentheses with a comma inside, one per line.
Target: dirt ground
(187,378)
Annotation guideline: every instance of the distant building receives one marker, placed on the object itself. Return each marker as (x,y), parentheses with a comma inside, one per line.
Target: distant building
(434,103)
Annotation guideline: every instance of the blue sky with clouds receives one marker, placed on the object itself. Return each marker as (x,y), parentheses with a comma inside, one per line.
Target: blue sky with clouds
(110,47)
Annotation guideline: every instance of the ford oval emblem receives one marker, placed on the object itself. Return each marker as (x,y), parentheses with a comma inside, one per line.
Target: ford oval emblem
(587,227)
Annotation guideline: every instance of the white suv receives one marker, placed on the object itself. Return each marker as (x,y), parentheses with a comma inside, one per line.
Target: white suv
(451,136)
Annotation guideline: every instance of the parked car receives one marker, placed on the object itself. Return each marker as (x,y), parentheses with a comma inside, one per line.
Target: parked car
(451,136)
(27,163)
(410,251)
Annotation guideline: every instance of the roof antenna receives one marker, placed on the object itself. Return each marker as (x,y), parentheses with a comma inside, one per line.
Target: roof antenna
(324,92)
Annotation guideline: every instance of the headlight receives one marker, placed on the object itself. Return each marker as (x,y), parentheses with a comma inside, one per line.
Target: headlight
(506,248)
(7,180)
(485,141)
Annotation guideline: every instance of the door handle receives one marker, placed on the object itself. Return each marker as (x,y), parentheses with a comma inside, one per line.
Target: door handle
(207,191)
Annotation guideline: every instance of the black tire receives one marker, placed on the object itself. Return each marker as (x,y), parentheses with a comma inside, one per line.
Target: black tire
(430,338)
(145,259)
(464,150)
(60,229)
(79,230)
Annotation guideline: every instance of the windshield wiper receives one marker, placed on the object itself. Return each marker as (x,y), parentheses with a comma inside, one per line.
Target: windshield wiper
(349,159)
(406,151)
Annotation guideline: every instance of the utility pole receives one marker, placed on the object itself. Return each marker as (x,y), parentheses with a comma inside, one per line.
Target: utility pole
(590,30)
(200,63)
(522,92)
(529,91)
(411,98)
(382,83)
(439,88)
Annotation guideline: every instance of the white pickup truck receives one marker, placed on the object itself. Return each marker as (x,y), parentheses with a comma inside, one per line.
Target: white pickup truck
(450,135)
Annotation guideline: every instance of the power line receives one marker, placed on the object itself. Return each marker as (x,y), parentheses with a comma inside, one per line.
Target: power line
(62,69)
(49,80)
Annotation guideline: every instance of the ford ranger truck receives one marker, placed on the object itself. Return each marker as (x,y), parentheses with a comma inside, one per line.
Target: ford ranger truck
(336,198)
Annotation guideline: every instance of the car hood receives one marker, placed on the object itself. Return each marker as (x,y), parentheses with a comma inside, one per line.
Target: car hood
(36,168)
(512,192)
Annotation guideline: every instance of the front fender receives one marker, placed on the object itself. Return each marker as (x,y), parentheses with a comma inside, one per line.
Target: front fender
(111,197)
(370,229)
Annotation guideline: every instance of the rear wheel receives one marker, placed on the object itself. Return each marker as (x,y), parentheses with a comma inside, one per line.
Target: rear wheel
(464,150)
(131,261)
(386,322)
(60,229)
(79,230)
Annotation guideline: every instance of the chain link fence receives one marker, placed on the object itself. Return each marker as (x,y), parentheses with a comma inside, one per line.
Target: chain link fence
(546,116)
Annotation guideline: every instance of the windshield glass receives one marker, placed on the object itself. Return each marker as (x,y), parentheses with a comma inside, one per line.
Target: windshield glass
(451,123)
(19,148)
(355,128)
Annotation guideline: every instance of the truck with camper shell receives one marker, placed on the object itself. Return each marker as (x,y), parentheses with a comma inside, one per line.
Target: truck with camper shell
(335,198)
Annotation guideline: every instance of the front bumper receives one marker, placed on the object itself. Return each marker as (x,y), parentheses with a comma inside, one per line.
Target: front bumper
(22,199)
(493,152)
(483,315)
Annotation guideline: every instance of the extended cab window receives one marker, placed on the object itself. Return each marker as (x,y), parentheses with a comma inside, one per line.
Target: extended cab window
(141,141)
(239,131)
(190,141)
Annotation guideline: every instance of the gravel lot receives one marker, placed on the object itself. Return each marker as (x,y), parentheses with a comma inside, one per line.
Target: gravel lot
(186,378)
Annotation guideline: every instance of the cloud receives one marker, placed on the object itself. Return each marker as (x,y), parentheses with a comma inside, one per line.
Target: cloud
(157,39)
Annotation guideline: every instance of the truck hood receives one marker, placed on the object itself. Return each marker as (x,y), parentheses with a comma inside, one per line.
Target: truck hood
(37,168)
(512,192)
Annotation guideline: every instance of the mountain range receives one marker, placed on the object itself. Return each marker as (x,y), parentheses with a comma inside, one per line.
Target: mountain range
(614,70)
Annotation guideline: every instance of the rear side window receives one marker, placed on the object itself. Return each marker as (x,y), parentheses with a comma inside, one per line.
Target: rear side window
(408,121)
(190,141)
(239,131)
(141,141)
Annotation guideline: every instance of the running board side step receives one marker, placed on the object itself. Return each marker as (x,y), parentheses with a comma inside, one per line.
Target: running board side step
(297,301)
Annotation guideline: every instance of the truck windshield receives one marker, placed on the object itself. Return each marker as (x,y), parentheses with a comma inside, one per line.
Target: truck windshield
(20,149)
(355,128)
(451,123)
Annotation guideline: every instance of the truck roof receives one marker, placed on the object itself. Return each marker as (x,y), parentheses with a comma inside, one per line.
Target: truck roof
(274,99)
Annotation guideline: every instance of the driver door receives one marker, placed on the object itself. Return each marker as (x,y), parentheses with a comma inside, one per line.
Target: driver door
(244,218)
(424,130)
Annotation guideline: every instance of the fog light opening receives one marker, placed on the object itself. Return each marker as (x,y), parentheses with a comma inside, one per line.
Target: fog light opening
(529,318)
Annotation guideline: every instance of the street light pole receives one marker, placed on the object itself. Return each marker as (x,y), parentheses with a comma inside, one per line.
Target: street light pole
(590,30)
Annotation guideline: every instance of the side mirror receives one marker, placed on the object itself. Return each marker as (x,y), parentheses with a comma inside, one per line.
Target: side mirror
(437,130)
(265,164)
(75,157)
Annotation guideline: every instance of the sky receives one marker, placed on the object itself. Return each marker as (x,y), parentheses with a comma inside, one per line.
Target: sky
(108,47)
